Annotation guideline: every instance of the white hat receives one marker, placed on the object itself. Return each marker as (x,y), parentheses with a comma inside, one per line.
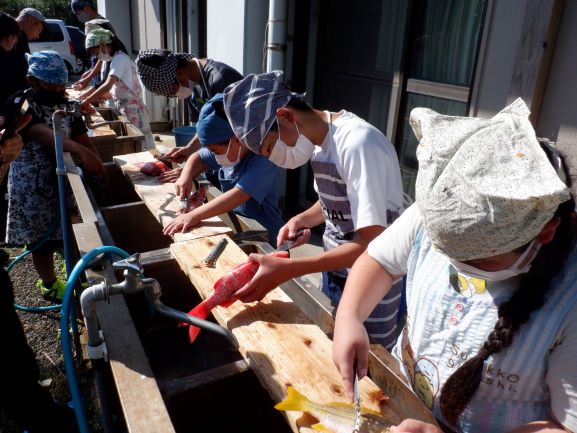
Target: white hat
(484,187)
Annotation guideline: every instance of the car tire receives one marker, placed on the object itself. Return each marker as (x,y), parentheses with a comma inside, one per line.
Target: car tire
(78,65)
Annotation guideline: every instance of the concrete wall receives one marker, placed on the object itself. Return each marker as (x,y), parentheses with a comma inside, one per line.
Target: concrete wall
(495,66)
(235,32)
(118,13)
(558,111)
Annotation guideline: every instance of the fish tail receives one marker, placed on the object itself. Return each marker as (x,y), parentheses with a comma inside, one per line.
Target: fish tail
(294,401)
(201,311)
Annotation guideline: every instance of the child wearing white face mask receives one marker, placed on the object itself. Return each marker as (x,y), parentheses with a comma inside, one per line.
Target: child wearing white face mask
(249,182)
(489,254)
(122,82)
(357,178)
(183,76)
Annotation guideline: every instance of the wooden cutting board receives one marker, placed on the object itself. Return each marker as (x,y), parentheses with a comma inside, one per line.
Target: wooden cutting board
(282,345)
(161,199)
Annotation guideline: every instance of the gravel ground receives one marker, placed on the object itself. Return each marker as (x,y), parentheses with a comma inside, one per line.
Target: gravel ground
(43,334)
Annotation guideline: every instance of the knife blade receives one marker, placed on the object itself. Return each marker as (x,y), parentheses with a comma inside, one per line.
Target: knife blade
(357,398)
(290,242)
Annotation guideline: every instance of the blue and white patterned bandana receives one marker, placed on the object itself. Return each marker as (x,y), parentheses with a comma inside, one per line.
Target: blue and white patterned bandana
(212,127)
(157,69)
(251,103)
(47,66)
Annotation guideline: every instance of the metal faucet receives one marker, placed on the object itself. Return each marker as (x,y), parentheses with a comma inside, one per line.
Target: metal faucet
(134,283)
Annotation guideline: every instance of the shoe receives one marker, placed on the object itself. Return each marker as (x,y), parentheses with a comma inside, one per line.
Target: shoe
(54,293)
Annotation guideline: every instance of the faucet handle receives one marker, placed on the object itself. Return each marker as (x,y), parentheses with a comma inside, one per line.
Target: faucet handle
(131,263)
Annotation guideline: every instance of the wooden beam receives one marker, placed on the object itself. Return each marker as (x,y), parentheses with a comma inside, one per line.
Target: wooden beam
(138,392)
(82,200)
(283,346)
(534,56)
(172,387)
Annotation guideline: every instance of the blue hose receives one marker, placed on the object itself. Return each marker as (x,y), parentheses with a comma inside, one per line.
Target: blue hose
(20,258)
(67,310)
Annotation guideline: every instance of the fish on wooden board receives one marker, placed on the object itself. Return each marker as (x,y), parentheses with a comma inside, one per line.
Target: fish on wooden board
(152,168)
(193,201)
(166,160)
(224,288)
(337,417)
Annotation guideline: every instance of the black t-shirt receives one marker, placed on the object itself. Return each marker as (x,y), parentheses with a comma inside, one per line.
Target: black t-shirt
(13,69)
(217,76)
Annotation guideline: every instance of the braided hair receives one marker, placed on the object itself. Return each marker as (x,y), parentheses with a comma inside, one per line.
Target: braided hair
(529,297)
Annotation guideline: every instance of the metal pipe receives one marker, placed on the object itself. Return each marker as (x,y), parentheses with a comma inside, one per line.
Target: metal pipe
(57,118)
(195,321)
(276,35)
(88,300)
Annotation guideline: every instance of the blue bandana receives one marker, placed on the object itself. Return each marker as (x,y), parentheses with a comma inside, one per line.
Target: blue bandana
(212,127)
(47,66)
(251,103)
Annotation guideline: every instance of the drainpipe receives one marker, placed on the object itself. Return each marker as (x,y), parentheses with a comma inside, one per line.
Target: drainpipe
(276,35)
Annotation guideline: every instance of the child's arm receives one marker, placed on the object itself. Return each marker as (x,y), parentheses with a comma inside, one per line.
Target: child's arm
(92,163)
(87,76)
(96,93)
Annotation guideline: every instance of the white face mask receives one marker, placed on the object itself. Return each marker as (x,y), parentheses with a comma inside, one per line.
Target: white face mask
(223,160)
(527,257)
(104,56)
(292,156)
(183,92)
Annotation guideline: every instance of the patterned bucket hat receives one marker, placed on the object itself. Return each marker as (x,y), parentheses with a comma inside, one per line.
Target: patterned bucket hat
(47,66)
(484,186)
(251,104)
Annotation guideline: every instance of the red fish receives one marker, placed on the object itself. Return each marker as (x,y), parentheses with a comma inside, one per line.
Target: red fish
(152,168)
(224,288)
(197,198)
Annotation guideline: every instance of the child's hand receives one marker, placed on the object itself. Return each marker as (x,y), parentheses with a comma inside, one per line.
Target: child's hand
(92,163)
(10,149)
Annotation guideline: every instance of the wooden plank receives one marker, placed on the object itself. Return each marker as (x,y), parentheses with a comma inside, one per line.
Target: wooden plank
(540,28)
(138,392)
(161,199)
(283,346)
(82,200)
(173,387)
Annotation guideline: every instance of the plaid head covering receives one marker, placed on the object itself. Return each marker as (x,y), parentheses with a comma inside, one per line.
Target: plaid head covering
(157,69)
(485,186)
(47,66)
(98,36)
(251,103)
(213,127)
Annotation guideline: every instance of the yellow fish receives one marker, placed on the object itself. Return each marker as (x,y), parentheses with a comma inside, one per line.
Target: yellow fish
(334,417)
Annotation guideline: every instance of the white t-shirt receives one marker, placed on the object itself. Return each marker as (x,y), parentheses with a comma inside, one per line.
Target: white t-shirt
(121,67)
(366,162)
(392,249)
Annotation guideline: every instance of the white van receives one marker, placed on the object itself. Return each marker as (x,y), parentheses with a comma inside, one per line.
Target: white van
(55,37)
